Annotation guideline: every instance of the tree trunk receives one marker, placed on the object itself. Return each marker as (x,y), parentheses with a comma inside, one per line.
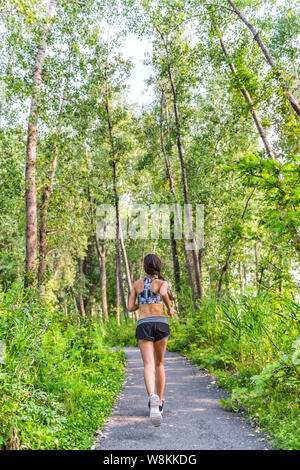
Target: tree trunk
(142,261)
(92,301)
(242,277)
(132,269)
(270,60)
(45,201)
(224,270)
(44,217)
(117,294)
(256,255)
(176,266)
(184,178)
(103,280)
(31,151)
(127,270)
(74,300)
(200,257)
(248,99)
(187,257)
(188,264)
(101,255)
(119,281)
(80,296)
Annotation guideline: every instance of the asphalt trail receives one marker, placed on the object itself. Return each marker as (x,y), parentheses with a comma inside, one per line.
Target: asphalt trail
(193,417)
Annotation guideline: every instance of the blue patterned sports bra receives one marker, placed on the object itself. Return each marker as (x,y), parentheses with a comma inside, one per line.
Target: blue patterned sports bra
(147,296)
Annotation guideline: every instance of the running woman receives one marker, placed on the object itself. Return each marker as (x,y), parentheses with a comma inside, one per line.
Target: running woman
(152,330)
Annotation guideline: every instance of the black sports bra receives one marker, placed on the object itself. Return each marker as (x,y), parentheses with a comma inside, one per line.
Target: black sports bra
(147,296)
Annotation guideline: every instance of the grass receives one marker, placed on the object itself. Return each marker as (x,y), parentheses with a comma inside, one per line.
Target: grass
(59,379)
(120,336)
(251,345)
(58,382)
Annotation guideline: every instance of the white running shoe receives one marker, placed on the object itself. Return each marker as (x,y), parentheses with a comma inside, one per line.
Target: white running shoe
(155,414)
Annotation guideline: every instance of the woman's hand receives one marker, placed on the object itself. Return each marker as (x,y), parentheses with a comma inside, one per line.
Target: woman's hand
(170,311)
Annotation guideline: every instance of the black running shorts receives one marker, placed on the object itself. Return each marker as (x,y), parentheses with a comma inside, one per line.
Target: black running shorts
(152,328)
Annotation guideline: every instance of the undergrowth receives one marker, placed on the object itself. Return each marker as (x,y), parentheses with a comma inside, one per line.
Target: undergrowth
(252,346)
(58,379)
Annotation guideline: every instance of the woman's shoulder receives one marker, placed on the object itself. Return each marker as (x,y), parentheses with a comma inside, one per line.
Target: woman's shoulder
(160,282)
(138,282)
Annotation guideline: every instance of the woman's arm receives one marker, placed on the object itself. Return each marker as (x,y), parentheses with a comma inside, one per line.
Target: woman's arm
(165,296)
(132,306)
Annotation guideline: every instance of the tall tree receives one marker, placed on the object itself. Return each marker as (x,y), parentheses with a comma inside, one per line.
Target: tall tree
(30,172)
(114,158)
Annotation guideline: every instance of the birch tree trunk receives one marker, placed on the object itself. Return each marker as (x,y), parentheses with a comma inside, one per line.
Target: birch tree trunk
(101,256)
(124,252)
(80,296)
(187,257)
(45,198)
(119,281)
(101,253)
(117,294)
(242,277)
(142,262)
(74,300)
(256,255)
(31,151)
(176,266)
(132,270)
(224,269)
(184,180)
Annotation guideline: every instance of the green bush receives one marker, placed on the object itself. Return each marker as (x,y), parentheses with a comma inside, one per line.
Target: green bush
(251,345)
(58,381)
(119,335)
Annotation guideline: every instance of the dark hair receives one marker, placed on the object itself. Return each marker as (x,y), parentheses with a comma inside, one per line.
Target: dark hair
(152,265)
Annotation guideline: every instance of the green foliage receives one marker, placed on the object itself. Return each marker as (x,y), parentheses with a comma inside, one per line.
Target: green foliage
(58,381)
(120,336)
(251,202)
(251,345)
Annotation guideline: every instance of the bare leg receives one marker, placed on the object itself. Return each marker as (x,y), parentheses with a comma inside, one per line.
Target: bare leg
(147,352)
(159,353)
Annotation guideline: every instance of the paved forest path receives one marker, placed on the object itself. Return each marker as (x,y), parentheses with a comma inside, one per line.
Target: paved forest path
(193,417)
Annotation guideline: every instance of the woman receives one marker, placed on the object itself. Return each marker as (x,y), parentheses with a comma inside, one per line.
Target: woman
(152,330)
